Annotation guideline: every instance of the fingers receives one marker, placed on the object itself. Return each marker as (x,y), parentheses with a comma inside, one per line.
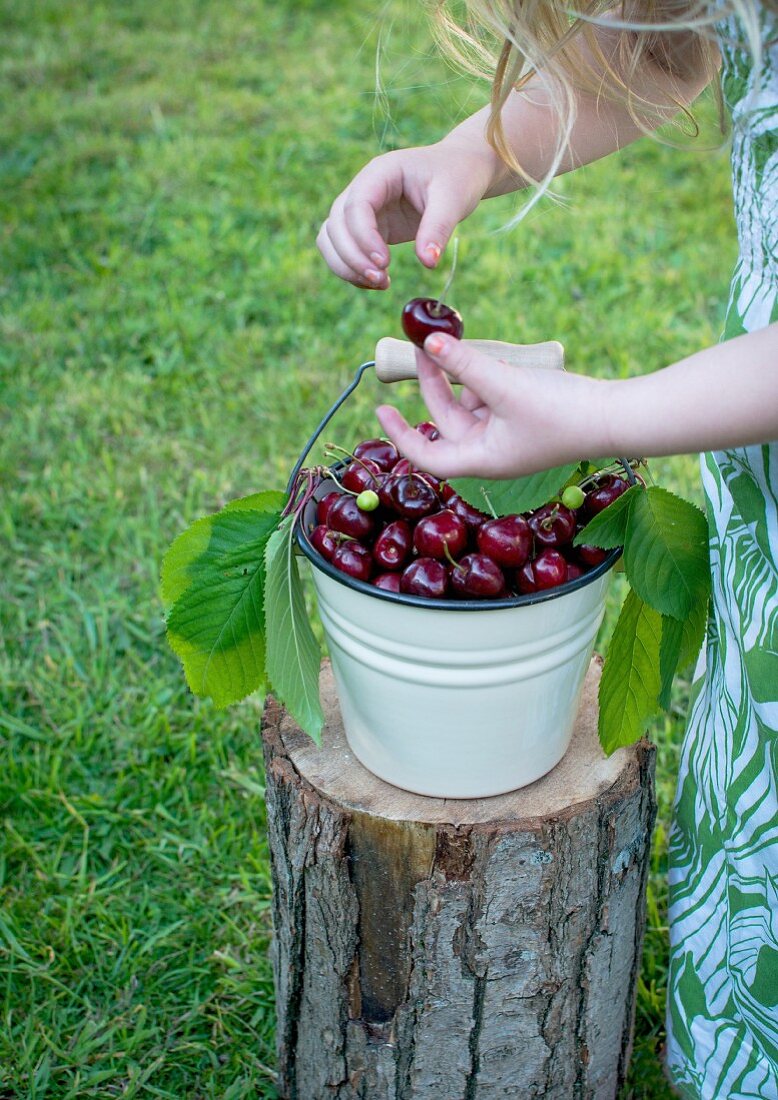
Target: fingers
(439,458)
(452,418)
(442,214)
(345,260)
(350,239)
(487,379)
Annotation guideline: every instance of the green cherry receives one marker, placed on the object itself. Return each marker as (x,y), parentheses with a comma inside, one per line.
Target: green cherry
(573,497)
(367,501)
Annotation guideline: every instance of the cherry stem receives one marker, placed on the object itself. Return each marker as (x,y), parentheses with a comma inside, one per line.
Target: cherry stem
(450,279)
(331,448)
(447,552)
(489,504)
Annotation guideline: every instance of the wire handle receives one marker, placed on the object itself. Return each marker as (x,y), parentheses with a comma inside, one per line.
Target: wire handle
(395,360)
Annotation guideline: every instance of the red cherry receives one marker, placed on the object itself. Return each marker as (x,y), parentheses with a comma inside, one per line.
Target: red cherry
(380,451)
(574,571)
(591,555)
(393,546)
(440,535)
(390,582)
(364,474)
(423,316)
(507,540)
(325,541)
(547,570)
(412,495)
(478,577)
(428,429)
(425,577)
(604,493)
(552,525)
(354,559)
(347,517)
(324,505)
(472,517)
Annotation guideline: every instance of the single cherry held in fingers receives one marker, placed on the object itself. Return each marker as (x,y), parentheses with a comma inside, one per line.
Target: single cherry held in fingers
(423,316)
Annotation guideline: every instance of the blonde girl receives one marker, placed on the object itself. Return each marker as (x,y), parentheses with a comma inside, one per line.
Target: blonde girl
(573,82)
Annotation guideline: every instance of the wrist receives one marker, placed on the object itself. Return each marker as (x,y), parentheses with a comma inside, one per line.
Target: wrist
(469,142)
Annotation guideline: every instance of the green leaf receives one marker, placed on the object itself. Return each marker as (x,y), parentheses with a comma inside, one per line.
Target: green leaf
(608,529)
(216,624)
(197,547)
(518,495)
(666,552)
(270,500)
(680,646)
(669,652)
(629,688)
(293,655)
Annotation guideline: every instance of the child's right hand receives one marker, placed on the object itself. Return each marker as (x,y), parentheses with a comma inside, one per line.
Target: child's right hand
(416,195)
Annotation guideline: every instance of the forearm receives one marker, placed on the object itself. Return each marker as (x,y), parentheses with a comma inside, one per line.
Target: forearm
(601,126)
(724,396)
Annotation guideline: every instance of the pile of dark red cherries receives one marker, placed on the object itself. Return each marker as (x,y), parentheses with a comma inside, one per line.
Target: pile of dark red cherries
(404,530)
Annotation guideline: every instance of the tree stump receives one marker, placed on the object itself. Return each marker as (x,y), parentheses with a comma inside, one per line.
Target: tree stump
(437,949)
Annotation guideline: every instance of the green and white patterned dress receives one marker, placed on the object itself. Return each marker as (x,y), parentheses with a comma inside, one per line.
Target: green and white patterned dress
(723,985)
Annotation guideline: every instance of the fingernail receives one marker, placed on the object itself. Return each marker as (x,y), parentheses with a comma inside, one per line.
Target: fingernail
(433,251)
(436,345)
(377,259)
(373,276)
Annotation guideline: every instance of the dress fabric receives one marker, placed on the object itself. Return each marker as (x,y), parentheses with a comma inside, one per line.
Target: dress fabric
(722,1014)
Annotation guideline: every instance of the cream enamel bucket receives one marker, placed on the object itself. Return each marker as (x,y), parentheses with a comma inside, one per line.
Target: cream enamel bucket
(456,699)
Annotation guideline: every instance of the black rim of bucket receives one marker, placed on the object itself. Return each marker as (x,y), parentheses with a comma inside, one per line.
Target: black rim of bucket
(426,602)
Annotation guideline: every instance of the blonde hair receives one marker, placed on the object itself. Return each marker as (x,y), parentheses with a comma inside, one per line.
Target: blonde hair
(510,42)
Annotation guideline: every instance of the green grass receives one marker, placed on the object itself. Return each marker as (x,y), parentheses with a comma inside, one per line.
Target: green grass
(168,337)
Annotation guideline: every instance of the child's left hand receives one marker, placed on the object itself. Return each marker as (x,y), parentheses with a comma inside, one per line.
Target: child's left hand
(506,422)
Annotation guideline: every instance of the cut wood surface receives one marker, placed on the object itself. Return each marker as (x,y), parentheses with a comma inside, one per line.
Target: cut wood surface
(438,949)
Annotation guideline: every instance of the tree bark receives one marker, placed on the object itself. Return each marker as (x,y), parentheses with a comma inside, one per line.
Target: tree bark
(437,949)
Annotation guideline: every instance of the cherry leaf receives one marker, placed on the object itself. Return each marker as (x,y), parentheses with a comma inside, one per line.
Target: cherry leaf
(293,655)
(666,552)
(517,495)
(214,578)
(629,688)
(680,646)
(608,529)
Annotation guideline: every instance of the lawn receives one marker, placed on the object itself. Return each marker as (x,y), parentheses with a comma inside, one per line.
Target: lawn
(168,337)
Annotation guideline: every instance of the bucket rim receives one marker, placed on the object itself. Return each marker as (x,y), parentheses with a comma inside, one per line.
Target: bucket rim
(406,600)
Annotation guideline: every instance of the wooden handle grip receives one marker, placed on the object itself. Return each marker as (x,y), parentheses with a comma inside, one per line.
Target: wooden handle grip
(395,360)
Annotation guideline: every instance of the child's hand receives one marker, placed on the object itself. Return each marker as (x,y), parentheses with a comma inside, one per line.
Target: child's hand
(506,421)
(412,194)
